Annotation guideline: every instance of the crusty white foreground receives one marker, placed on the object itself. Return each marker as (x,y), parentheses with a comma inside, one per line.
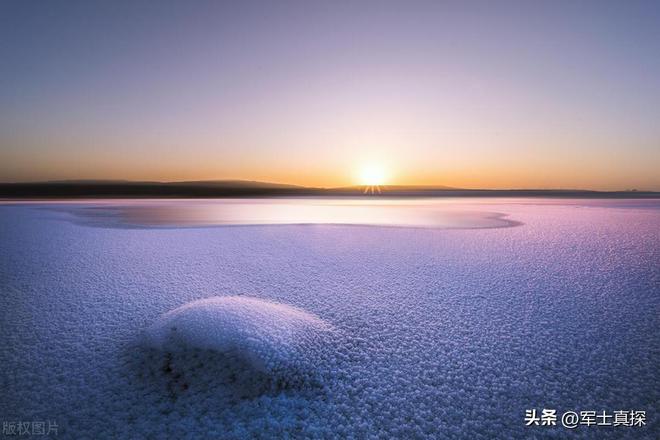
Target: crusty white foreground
(432,333)
(269,335)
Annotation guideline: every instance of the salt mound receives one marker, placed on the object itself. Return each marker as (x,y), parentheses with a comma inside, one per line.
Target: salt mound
(265,336)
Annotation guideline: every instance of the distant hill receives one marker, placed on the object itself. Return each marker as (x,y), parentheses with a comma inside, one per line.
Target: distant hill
(209,183)
(238,184)
(244,188)
(143,189)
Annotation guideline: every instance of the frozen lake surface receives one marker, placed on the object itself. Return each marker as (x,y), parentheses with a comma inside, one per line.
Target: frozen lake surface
(337,318)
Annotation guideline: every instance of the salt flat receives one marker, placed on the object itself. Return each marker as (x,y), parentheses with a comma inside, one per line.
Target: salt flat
(436,332)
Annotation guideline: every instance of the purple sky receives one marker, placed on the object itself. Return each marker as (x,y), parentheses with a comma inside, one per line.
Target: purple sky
(473,94)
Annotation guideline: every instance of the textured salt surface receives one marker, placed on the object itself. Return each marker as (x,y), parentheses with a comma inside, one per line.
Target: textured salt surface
(225,323)
(266,336)
(233,348)
(438,333)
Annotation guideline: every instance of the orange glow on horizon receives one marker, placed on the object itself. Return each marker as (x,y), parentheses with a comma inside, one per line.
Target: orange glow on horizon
(333,167)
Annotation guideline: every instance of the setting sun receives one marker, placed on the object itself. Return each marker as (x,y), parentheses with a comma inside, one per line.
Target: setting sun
(372,175)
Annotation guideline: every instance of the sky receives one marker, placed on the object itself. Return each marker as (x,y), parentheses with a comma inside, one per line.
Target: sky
(496,94)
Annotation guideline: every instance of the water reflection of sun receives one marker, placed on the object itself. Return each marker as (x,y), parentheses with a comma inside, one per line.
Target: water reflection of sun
(372,177)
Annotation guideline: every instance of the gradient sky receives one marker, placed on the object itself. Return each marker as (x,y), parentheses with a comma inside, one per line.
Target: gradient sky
(470,94)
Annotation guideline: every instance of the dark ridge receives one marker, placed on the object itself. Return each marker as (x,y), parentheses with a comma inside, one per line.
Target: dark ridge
(114,189)
(238,188)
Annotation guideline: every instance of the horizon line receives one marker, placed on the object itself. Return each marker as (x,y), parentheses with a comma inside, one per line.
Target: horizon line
(257,183)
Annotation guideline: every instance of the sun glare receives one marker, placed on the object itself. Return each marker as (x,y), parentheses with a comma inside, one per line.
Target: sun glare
(372,176)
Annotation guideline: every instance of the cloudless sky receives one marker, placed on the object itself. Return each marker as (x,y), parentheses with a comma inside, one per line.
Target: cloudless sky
(493,94)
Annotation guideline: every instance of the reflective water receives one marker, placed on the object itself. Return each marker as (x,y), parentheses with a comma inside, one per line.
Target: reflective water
(197,213)
(446,213)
